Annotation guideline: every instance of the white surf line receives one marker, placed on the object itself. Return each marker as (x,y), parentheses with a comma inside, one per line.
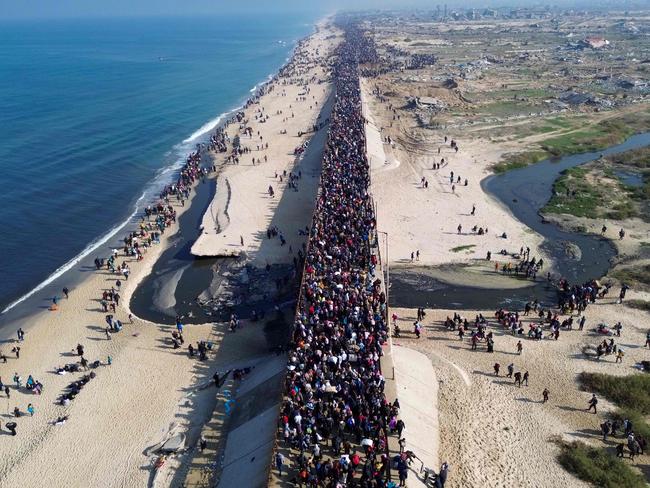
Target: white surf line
(460,370)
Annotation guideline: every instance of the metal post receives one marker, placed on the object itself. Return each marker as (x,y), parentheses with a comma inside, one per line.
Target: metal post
(387,265)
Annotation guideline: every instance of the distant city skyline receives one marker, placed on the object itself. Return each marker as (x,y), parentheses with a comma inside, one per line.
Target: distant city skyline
(128,8)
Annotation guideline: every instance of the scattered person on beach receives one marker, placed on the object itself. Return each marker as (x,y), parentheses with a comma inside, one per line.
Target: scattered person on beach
(592,403)
(545,395)
(417,329)
(520,347)
(525,378)
(497,366)
(66,292)
(621,295)
(441,479)
(511,369)
(518,379)
(30,409)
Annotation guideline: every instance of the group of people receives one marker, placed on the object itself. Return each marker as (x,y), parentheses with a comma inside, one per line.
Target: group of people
(334,385)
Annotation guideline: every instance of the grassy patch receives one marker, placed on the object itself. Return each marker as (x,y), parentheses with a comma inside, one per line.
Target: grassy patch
(597,466)
(462,248)
(587,192)
(598,136)
(591,137)
(506,108)
(638,304)
(520,160)
(628,392)
(636,275)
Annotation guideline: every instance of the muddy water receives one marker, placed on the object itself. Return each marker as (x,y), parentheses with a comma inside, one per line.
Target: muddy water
(524,191)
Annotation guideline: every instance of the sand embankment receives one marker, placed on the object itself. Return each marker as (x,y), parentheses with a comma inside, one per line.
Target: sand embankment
(243,209)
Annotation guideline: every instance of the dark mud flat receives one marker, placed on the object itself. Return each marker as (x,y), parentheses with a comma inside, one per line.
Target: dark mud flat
(176,270)
(208,289)
(577,257)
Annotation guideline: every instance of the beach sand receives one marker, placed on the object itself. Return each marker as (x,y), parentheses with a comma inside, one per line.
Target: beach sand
(495,434)
(491,432)
(426,219)
(150,387)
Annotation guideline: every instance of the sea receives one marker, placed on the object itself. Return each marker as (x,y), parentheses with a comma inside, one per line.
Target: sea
(96,116)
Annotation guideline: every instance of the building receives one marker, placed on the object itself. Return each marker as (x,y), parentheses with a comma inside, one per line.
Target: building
(594,42)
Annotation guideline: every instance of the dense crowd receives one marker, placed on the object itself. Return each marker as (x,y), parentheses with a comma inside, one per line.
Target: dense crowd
(334,385)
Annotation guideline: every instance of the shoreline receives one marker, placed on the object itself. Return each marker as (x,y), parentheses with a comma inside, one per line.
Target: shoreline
(196,138)
(147,377)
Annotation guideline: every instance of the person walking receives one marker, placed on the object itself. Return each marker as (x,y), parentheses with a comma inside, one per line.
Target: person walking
(497,366)
(442,475)
(545,394)
(279,462)
(511,370)
(30,409)
(605,428)
(525,378)
(520,347)
(592,403)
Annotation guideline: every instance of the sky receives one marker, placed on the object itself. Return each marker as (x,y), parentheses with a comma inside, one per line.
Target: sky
(16,9)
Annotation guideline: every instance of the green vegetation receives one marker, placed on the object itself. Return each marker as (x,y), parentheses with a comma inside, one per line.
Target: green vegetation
(574,142)
(574,195)
(588,138)
(597,466)
(585,192)
(462,248)
(521,160)
(505,108)
(598,136)
(635,276)
(629,392)
(638,304)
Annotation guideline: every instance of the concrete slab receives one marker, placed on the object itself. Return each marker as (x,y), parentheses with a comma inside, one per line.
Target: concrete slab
(264,369)
(249,450)
(417,390)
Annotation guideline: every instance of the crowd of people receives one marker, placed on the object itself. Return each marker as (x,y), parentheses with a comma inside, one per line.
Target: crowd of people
(334,389)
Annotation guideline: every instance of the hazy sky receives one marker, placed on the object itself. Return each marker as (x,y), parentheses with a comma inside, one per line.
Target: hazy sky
(11,9)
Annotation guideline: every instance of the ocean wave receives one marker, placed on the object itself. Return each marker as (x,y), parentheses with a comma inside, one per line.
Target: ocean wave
(205,128)
(164,176)
(93,246)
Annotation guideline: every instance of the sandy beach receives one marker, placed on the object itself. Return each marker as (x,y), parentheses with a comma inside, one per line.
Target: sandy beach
(150,388)
(492,432)
(345,365)
(427,219)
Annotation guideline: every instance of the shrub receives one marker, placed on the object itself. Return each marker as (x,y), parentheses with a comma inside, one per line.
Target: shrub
(598,467)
